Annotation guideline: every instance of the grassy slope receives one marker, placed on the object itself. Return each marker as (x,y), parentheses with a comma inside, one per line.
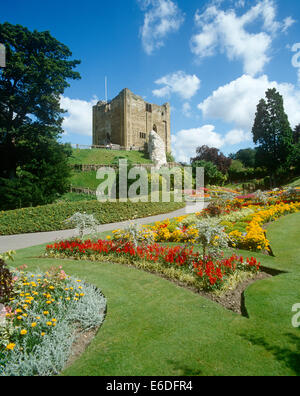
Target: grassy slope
(99,157)
(105,157)
(295,183)
(85,180)
(154,327)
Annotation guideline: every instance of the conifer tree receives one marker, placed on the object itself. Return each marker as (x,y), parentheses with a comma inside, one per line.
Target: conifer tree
(273,134)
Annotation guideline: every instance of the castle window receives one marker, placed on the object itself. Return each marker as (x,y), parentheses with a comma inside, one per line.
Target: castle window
(142,135)
(149,107)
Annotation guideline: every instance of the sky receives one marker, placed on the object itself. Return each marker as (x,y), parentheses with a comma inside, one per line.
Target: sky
(211,60)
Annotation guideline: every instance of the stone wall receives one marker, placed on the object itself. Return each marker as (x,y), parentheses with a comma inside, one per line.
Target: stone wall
(128,120)
(88,168)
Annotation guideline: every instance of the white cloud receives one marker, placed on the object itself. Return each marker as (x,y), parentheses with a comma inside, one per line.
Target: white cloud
(78,119)
(185,85)
(287,23)
(186,109)
(162,17)
(226,32)
(296,58)
(185,142)
(237,101)
(236,136)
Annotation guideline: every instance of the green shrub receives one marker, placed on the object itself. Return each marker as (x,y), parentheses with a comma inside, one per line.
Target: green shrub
(52,217)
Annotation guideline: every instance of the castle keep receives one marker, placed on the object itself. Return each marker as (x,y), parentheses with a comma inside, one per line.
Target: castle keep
(128,120)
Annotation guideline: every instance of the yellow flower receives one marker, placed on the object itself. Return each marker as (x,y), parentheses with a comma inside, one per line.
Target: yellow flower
(46,313)
(10,346)
(23,332)
(42,334)
(49,323)
(33,324)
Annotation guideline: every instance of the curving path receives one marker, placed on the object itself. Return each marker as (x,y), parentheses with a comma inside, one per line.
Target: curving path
(20,241)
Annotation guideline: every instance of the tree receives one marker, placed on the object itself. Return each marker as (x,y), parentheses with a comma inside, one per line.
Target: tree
(246,156)
(296,134)
(41,179)
(212,154)
(212,175)
(36,74)
(272,133)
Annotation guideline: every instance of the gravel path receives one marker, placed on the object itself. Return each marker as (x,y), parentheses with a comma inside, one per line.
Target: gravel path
(15,242)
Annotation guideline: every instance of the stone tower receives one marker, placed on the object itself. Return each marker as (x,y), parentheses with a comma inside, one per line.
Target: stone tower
(128,120)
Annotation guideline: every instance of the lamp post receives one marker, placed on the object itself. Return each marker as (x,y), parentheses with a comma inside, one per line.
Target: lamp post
(2,56)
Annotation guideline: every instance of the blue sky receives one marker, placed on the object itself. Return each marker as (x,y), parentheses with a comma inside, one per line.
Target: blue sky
(212,60)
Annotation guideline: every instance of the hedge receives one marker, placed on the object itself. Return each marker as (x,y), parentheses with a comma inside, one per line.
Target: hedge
(51,217)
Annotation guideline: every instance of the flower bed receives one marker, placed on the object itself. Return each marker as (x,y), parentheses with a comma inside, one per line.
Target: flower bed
(244,226)
(253,237)
(207,274)
(38,321)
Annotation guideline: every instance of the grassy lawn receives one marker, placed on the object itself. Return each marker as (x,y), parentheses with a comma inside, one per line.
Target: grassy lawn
(85,180)
(105,157)
(154,327)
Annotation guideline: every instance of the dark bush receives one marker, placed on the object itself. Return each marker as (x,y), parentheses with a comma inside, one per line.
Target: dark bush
(214,209)
(6,282)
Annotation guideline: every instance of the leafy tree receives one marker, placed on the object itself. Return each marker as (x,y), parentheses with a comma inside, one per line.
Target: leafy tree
(246,156)
(212,154)
(36,74)
(295,158)
(296,135)
(170,157)
(41,179)
(272,133)
(212,175)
